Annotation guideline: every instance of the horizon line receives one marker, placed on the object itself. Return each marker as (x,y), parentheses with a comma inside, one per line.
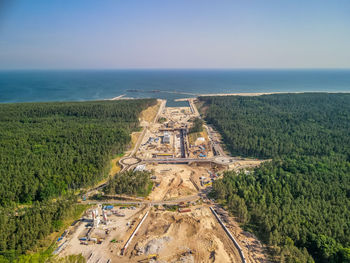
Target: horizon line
(162,69)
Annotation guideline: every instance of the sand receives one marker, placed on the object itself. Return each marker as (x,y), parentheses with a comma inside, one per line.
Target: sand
(150,113)
(175,237)
(174,182)
(193,236)
(119,231)
(118,97)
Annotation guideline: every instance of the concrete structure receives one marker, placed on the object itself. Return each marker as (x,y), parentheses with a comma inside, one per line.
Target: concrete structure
(229,235)
(140,168)
(166,137)
(133,234)
(104,216)
(96,221)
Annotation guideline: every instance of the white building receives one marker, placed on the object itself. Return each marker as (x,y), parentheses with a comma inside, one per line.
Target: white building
(166,137)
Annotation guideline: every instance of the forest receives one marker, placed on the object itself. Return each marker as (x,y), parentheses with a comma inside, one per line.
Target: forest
(51,150)
(299,202)
(24,229)
(48,148)
(130,183)
(197,125)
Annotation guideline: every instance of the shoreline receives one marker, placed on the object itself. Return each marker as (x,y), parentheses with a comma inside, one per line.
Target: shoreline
(267,93)
(252,94)
(122,97)
(118,97)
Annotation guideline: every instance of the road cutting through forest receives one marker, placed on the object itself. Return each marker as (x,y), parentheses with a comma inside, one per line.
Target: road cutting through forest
(174,222)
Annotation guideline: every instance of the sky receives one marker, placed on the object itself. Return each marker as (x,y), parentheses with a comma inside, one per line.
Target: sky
(127,34)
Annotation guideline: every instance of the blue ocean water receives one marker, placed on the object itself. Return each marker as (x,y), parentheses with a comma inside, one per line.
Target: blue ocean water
(80,85)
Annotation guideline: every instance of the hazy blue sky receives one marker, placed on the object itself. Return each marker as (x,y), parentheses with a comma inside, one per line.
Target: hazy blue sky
(174,34)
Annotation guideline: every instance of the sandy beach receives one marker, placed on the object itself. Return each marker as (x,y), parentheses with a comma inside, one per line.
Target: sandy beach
(252,94)
(118,97)
(266,93)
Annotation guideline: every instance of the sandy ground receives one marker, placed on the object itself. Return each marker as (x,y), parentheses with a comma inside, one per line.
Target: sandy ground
(253,250)
(118,97)
(150,113)
(174,182)
(177,180)
(194,236)
(178,114)
(134,138)
(146,117)
(118,231)
(237,94)
(242,94)
(245,164)
(189,237)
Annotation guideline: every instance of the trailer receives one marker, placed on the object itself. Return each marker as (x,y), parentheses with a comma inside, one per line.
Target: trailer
(184,210)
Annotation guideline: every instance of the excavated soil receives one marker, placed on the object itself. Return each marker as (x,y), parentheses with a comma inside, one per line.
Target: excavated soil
(173,181)
(189,237)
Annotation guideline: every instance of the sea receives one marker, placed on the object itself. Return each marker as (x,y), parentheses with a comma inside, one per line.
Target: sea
(85,85)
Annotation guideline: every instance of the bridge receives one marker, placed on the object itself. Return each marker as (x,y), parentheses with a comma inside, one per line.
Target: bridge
(129,162)
(217,160)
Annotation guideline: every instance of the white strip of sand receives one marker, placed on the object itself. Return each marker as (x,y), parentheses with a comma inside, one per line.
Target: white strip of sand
(118,98)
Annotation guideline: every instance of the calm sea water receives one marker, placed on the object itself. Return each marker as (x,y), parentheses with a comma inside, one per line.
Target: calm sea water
(33,86)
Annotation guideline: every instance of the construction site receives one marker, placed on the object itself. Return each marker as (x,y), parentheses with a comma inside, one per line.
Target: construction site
(176,222)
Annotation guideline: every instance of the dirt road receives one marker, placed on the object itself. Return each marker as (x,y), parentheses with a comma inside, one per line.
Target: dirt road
(179,226)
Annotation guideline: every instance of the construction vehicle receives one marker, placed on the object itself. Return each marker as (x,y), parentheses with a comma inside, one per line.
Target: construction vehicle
(150,257)
(188,252)
(153,256)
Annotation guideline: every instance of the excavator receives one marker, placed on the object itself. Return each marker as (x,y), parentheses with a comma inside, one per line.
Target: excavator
(150,257)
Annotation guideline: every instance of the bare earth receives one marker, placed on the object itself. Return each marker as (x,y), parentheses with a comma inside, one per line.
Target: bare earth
(175,237)
(174,182)
(119,231)
(189,232)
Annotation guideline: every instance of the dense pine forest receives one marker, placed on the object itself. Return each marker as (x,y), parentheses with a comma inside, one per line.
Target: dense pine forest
(299,203)
(130,183)
(50,150)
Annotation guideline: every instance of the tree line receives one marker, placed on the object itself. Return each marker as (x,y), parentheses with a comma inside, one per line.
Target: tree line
(299,202)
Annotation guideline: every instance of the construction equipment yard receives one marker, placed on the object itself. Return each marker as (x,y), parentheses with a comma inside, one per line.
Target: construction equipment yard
(176,222)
